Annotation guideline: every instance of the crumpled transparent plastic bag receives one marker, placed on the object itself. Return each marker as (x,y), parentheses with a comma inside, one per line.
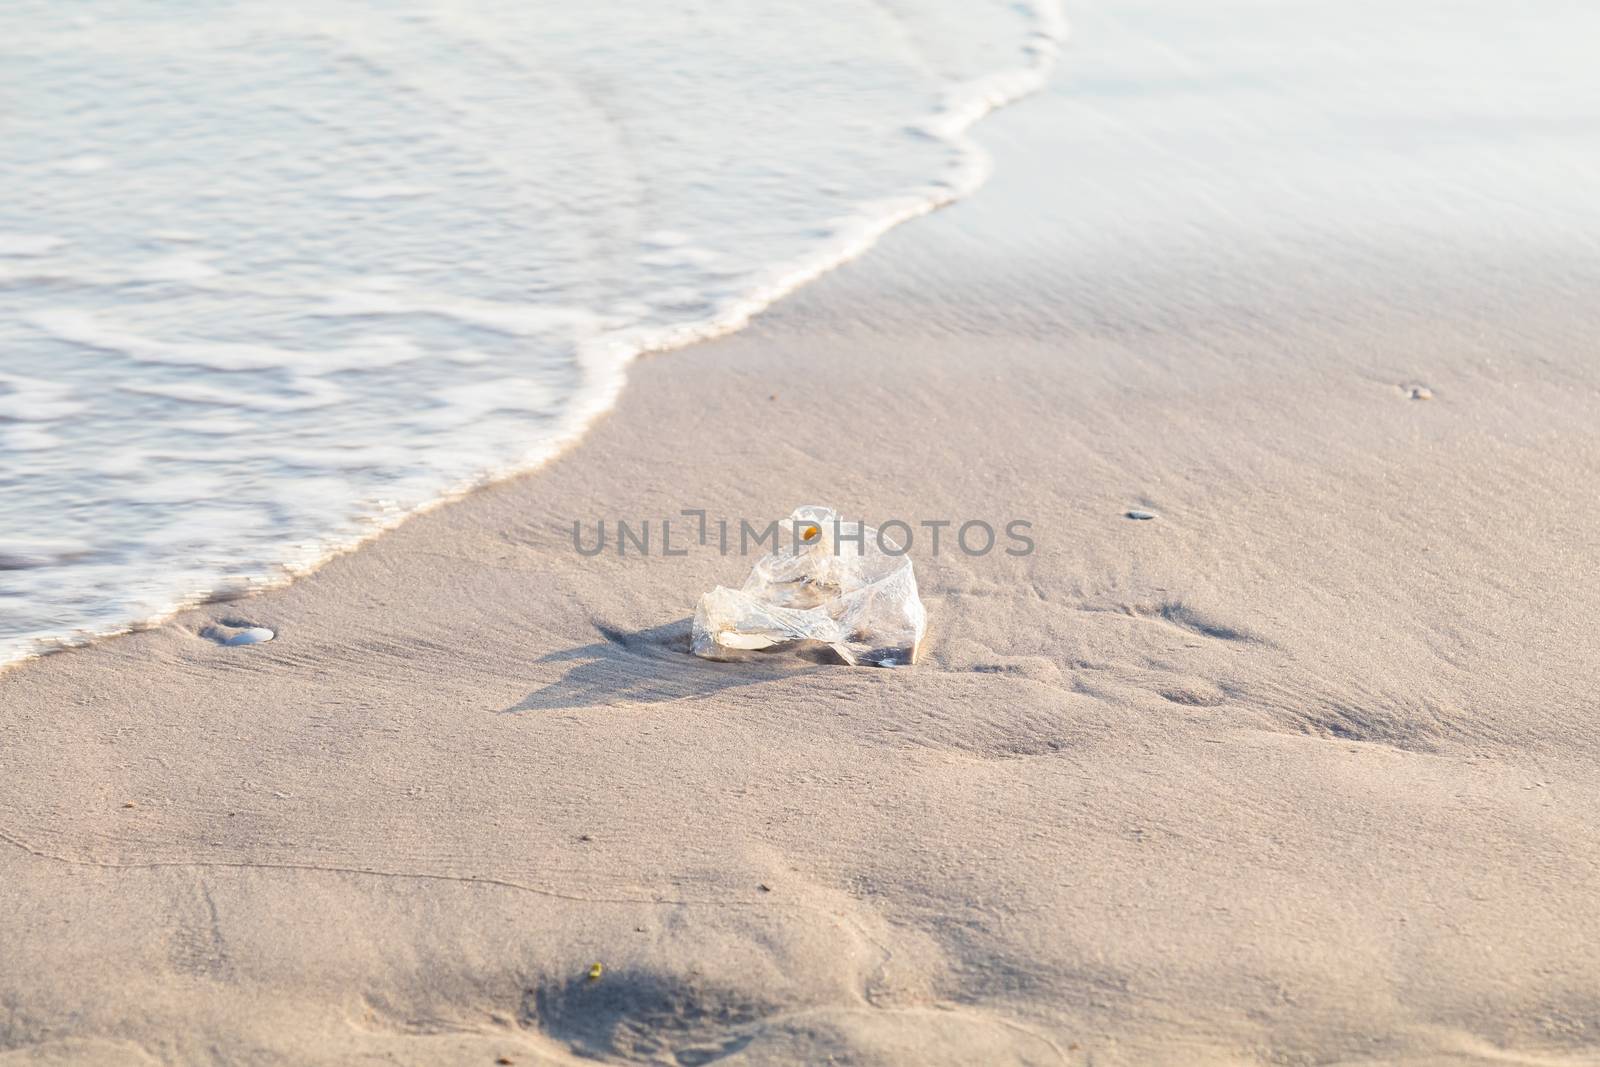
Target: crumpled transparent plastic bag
(823,584)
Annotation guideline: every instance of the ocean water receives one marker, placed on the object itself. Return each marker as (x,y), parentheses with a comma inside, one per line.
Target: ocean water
(273,277)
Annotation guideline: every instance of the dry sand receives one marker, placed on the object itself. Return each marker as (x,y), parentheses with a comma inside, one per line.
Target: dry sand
(1302,771)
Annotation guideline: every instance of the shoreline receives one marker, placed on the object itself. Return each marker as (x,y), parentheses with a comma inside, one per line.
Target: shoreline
(606,357)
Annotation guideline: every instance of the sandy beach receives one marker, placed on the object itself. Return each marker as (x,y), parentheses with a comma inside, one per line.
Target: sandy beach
(1302,770)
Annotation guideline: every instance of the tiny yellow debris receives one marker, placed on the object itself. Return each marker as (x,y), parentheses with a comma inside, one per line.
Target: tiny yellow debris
(809,534)
(594,971)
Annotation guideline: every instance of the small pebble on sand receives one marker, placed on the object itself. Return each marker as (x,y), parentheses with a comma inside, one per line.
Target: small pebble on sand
(1141,515)
(226,634)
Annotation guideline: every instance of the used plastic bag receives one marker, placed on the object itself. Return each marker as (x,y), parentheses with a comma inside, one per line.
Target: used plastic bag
(832,581)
